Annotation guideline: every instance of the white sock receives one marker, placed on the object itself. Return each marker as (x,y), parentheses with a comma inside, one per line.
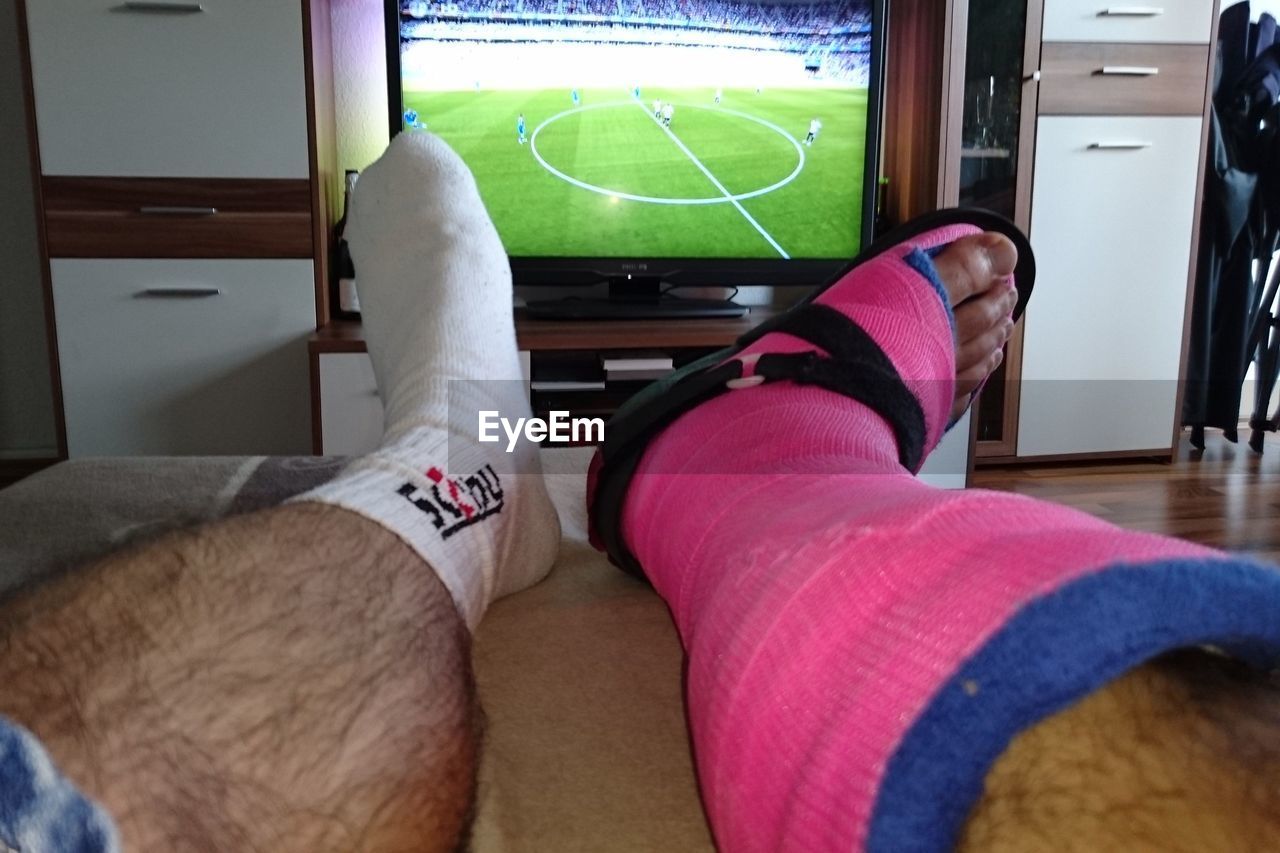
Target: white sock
(435,297)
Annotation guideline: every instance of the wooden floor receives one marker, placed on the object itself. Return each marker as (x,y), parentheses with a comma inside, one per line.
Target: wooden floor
(1226,496)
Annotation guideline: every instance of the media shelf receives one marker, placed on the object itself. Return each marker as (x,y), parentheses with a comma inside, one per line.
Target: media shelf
(533,335)
(347,417)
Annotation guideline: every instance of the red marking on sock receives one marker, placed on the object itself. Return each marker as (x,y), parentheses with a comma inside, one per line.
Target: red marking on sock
(467,509)
(435,475)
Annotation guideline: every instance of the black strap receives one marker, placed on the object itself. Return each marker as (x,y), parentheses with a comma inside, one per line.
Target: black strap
(857,368)
(830,330)
(629,435)
(861,379)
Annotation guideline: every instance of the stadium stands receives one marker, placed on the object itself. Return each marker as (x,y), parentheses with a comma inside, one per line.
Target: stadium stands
(788,44)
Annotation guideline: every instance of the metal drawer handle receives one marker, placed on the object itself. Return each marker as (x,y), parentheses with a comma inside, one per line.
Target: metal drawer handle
(178,293)
(176,210)
(169,7)
(1131,12)
(1129,70)
(1117,146)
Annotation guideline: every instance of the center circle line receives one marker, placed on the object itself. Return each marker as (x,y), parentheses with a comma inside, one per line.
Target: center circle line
(720,199)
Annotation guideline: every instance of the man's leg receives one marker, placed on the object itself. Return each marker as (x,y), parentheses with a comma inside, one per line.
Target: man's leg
(292,680)
(863,648)
(299,679)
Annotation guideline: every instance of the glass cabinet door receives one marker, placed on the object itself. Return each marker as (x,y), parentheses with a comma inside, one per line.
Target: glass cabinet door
(990,135)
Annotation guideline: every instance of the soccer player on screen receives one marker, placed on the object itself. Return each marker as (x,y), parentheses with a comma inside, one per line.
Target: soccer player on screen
(719,94)
(657,108)
(520,128)
(577,99)
(668,111)
(814,127)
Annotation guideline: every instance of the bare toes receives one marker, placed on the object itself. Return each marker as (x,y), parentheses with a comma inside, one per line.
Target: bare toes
(974,264)
(971,380)
(988,311)
(978,349)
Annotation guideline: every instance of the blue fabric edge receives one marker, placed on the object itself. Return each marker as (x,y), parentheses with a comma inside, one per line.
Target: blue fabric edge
(921,261)
(1055,650)
(40,809)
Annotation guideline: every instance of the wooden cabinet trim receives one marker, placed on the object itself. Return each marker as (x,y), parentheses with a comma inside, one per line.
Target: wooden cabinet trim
(91,217)
(325,185)
(1206,104)
(107,234)
(33,146)
(543,335)
(240,195)
(1072,82)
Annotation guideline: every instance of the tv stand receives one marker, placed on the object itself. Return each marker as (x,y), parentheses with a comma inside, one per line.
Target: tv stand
(633,298)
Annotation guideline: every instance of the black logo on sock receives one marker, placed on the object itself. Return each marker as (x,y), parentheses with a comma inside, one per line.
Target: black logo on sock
(453,505)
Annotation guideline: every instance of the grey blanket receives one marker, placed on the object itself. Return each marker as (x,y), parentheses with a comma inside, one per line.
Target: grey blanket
(81,509)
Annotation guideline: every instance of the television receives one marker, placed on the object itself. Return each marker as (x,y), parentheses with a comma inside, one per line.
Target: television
(653,144)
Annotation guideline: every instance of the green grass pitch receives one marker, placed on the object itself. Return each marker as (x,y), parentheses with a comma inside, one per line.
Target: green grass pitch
(614,144)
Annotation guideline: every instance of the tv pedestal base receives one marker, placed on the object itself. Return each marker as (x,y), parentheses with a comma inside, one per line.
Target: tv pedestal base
(571,308)
(633,298)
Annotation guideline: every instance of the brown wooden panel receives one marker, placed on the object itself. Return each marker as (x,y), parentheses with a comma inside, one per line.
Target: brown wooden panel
(231,195)
(542,335)
(1072,81)
(160,218)
(33,146)
(13,470)
(121,234)
(916,68)
(1195,232)
(1164,453)
(317,421)
(326,179)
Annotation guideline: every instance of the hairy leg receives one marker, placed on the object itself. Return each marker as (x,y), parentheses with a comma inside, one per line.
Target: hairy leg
(311,692)
(1180,754)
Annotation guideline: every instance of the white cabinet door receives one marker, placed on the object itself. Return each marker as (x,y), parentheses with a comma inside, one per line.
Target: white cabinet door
(1159,21)
(184,356)
(350,409)
(1111,228)
(947,467)
(124,90)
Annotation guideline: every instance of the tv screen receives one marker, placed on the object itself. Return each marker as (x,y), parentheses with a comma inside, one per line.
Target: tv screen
(699,130)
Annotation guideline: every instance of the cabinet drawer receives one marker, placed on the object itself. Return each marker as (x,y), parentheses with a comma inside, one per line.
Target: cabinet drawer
(184,357)
(350,409)
(177,218)
(1167,21)
(126,88)
(1122,79)
(1111,229)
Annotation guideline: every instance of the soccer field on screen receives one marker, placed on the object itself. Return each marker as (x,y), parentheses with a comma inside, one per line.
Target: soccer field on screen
(606,179)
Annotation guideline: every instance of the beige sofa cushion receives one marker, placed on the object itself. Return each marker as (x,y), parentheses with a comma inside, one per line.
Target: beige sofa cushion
(580,677)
